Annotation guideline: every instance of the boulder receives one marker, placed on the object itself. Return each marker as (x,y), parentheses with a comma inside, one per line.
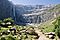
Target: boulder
(50,33)
(30,32)
(8,23)
(8,31)
(9,26)
(51,36)
(47,36)
(2,23)
(0,34)
(35,37)
(13,29)
(22,31)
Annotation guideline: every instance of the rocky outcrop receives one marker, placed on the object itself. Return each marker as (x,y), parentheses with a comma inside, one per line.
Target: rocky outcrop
(50,35)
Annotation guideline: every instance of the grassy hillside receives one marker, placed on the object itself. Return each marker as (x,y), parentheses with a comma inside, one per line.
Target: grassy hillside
(55,9)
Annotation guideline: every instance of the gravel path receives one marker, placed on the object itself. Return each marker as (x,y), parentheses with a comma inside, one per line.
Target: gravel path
(42,36)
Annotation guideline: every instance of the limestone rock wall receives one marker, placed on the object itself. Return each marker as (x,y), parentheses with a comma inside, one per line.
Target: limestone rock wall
(5,9)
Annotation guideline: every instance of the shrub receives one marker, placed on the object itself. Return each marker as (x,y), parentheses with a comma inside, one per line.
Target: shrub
(48,28)
(57,31)
(57,26)
(0,22)
(3,38)
(8,20)
(10,38)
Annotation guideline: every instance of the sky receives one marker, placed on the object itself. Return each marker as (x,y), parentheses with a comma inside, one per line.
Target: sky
(35,2)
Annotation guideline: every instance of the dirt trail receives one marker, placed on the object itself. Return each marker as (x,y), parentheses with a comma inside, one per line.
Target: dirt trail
(42,36)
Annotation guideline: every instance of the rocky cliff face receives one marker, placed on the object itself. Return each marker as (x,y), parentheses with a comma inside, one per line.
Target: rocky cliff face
(20,10)
(5,9)
(33,14)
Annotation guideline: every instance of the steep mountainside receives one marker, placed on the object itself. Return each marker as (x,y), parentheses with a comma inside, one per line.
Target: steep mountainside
(20,10)
(33,14)
(5,9)
(28,14)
